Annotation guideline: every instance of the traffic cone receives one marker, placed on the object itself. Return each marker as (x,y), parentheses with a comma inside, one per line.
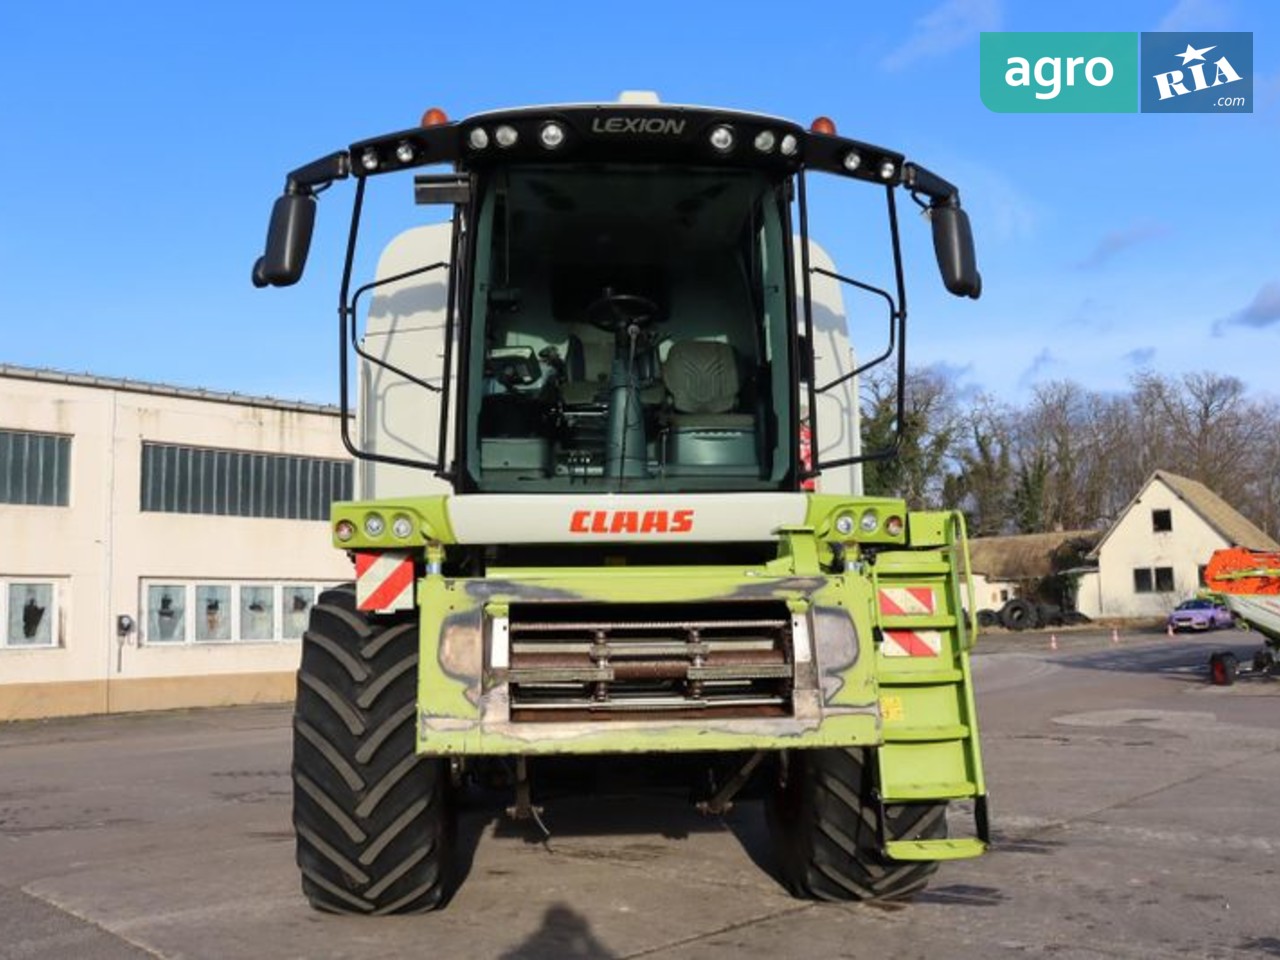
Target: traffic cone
(1168,630)
(1053,641)
(1115,635)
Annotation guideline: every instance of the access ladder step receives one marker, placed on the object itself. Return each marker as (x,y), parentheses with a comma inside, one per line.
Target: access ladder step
(939,732)
(918,792)
(958,849)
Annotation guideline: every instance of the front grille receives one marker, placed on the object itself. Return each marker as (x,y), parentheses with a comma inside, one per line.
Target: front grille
(607,661)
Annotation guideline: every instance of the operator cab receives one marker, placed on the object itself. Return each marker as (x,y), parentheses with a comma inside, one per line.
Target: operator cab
(628,328)
(622,307)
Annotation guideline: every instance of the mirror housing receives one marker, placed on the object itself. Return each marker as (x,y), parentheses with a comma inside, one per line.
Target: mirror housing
(288,241)
(953,246)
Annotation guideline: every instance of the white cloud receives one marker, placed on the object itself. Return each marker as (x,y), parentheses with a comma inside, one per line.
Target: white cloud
(946,27)
(1187,15)
(1115,241)
(1043,362)
(1263,312)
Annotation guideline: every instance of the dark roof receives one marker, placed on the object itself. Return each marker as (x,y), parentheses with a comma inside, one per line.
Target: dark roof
(1027,556)
(161,389)
(1228,522)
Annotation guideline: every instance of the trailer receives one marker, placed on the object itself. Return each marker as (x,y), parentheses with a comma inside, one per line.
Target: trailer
(1248,582)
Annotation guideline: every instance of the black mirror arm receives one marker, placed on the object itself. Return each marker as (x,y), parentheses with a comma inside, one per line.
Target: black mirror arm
(315,176)
(940,192)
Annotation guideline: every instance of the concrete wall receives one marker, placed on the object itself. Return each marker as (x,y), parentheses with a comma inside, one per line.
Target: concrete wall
(1089,594)
(991,594)
(101,549)
(1132,543)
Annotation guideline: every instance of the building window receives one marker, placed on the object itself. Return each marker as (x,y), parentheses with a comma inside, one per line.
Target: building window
(29,609)
(1200,571)
(35,468)
(1161,521)
(241,483)
(1153,580)
(166,617)
(224,612)
(213,612)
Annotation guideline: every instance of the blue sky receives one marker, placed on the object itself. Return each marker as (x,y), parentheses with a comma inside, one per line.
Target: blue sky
(145,143)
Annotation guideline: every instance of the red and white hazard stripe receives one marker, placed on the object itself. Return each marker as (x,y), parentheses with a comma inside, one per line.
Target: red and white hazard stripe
(384,581)
(907,601)
(912,643)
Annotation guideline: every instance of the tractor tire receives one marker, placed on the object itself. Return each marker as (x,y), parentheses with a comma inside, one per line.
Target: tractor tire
(822,819)
(1223,668)
(988,618)
(374,820)
(1019,614)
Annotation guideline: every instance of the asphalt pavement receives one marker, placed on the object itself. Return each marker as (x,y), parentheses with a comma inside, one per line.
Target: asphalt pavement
(1133,807)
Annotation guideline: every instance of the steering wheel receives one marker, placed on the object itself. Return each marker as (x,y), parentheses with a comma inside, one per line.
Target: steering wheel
(614,312)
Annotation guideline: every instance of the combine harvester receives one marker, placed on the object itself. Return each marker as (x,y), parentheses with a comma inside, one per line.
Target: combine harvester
(1248,581)
(610,501)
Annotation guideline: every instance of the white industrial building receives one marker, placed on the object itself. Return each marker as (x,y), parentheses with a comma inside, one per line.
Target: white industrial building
(163,546)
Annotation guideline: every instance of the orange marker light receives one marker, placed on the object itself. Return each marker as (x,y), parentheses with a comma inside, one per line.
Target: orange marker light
(434,117)
(823,125)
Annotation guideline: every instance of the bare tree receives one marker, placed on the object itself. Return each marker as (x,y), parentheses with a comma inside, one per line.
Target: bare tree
(931,425)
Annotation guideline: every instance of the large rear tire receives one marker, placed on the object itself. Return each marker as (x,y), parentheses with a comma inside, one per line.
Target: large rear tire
(822,817)
(374,821)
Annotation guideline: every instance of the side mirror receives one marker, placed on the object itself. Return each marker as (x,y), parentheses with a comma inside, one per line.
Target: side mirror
(953,246)
(288,241)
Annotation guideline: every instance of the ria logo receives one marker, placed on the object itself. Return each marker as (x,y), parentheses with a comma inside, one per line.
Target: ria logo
(1172,83)
(1197,72)
(660,126)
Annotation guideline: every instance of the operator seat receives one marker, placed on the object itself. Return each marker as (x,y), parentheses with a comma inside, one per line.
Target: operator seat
(705,434)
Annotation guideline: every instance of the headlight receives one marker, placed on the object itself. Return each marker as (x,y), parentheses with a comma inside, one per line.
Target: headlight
(551,135)
(374,525)
(869,522)
(478,138)
(893,526)
(722,139)
(402,527)
(844,524)
(344,530)
(765,140)
(506,136)
(369,159)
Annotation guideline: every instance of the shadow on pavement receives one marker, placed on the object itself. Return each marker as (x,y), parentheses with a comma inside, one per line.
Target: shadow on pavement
(564,934)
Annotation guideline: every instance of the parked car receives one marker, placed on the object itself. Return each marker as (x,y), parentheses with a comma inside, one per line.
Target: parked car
(1199,614)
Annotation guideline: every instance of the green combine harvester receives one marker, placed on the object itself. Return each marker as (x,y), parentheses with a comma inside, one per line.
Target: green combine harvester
(606,419)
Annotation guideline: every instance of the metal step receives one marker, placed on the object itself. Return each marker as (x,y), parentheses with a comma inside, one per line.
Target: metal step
(958,849)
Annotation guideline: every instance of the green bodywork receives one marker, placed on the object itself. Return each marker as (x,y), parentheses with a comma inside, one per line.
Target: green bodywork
(846,594)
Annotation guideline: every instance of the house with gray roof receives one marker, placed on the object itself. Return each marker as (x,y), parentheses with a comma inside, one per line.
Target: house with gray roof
(1154,555)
